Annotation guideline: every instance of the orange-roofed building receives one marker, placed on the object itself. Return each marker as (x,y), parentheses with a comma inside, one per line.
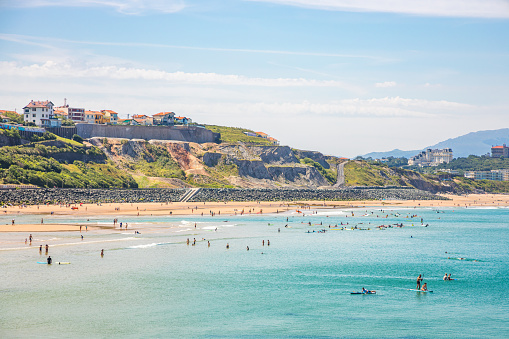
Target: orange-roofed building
(273,140)
(262,135)
(164,118)
(182,120)
(38,112)
(500,151)
(109,116)
(93,117)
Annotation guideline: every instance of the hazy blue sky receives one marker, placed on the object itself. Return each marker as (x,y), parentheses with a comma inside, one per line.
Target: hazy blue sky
(342,77)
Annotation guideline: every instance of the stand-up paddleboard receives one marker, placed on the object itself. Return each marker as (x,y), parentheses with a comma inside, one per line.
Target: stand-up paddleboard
(370,292)
(421,291)
(56,263)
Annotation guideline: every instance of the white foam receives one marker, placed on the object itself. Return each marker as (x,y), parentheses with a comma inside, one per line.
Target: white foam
(145,245)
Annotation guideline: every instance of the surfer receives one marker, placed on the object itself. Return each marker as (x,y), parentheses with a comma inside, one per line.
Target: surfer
(419,280)
(424,287)
(49,260)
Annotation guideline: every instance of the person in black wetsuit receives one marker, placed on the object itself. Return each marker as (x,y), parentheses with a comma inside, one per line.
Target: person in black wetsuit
(49,260)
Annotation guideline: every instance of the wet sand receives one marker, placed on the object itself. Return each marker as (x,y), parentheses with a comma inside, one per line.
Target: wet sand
(222,208)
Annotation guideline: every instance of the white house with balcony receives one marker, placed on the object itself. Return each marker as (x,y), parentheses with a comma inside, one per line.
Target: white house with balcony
(40,113)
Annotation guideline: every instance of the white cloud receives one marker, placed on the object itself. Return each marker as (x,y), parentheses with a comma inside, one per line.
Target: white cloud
(385,84)
(122,6)
(446,8)
(52,69)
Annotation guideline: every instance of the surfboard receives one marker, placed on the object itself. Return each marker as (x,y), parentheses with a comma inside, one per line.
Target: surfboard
(42,262)
(421,291)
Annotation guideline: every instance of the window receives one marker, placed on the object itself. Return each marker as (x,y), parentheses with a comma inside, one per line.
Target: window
(34,115)
(27,110)
(33,109)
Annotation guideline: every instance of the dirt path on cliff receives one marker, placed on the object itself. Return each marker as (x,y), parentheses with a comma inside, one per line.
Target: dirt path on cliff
(341,174)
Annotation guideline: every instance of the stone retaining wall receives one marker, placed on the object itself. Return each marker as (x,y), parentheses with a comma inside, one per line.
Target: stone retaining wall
(71,196)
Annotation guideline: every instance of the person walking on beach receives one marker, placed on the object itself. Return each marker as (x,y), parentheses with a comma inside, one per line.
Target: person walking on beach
(419,280)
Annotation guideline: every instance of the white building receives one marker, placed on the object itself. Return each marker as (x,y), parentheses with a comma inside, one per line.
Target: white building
(39,112)
(431,157)
(75,114)
(496,175)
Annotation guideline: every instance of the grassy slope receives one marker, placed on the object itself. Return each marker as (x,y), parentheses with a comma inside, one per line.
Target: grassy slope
(235,134)
(34,165)
(361,173)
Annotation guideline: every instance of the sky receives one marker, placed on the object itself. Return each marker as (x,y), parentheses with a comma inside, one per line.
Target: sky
(342,77)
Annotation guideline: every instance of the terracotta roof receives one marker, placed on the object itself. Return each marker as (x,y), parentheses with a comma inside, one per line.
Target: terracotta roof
(499,147)
(94,112)
(38,104)
(261,133)
(109,111)
(163,113)
(180,118)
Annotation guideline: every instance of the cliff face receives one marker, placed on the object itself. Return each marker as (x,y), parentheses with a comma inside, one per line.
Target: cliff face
(236,165)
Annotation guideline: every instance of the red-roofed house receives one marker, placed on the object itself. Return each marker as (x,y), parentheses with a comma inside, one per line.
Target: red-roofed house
(164,118)
(262,135)
(40,113)
(182,120)
(142,119)
(500,151)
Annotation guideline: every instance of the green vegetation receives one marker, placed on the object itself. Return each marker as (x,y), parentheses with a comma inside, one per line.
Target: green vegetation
(14,117)
(328,174)
(164,166)
(33,164)
(77,138)
(234,135)
(45,136)
(361,173)
(476,163)
(488,186)
(11,133)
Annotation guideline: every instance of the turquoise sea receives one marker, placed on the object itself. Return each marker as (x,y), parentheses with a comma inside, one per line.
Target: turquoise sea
(155,285)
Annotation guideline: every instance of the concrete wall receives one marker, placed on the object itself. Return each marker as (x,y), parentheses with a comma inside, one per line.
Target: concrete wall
(180,133)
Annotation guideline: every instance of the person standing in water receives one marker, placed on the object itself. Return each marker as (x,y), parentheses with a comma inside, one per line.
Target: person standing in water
(102,253)
(49,260)
(419,280)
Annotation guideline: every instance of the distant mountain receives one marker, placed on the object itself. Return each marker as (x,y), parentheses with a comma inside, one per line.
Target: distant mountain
(474,143)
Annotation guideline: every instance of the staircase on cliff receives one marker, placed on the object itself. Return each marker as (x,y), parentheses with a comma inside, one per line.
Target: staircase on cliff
(189,194)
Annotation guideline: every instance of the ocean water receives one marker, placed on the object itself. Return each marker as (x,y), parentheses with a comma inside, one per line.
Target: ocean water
(154,285)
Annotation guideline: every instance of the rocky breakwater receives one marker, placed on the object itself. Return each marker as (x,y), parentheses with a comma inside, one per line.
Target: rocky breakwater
(83,195)
(232,194)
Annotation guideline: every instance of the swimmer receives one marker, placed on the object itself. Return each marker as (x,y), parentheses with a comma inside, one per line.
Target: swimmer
(424,287)
(445,277)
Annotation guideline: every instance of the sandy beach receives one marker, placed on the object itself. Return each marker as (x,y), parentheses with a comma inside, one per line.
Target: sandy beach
(220,208)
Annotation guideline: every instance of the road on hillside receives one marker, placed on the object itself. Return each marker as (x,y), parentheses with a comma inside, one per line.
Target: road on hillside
(341,174)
